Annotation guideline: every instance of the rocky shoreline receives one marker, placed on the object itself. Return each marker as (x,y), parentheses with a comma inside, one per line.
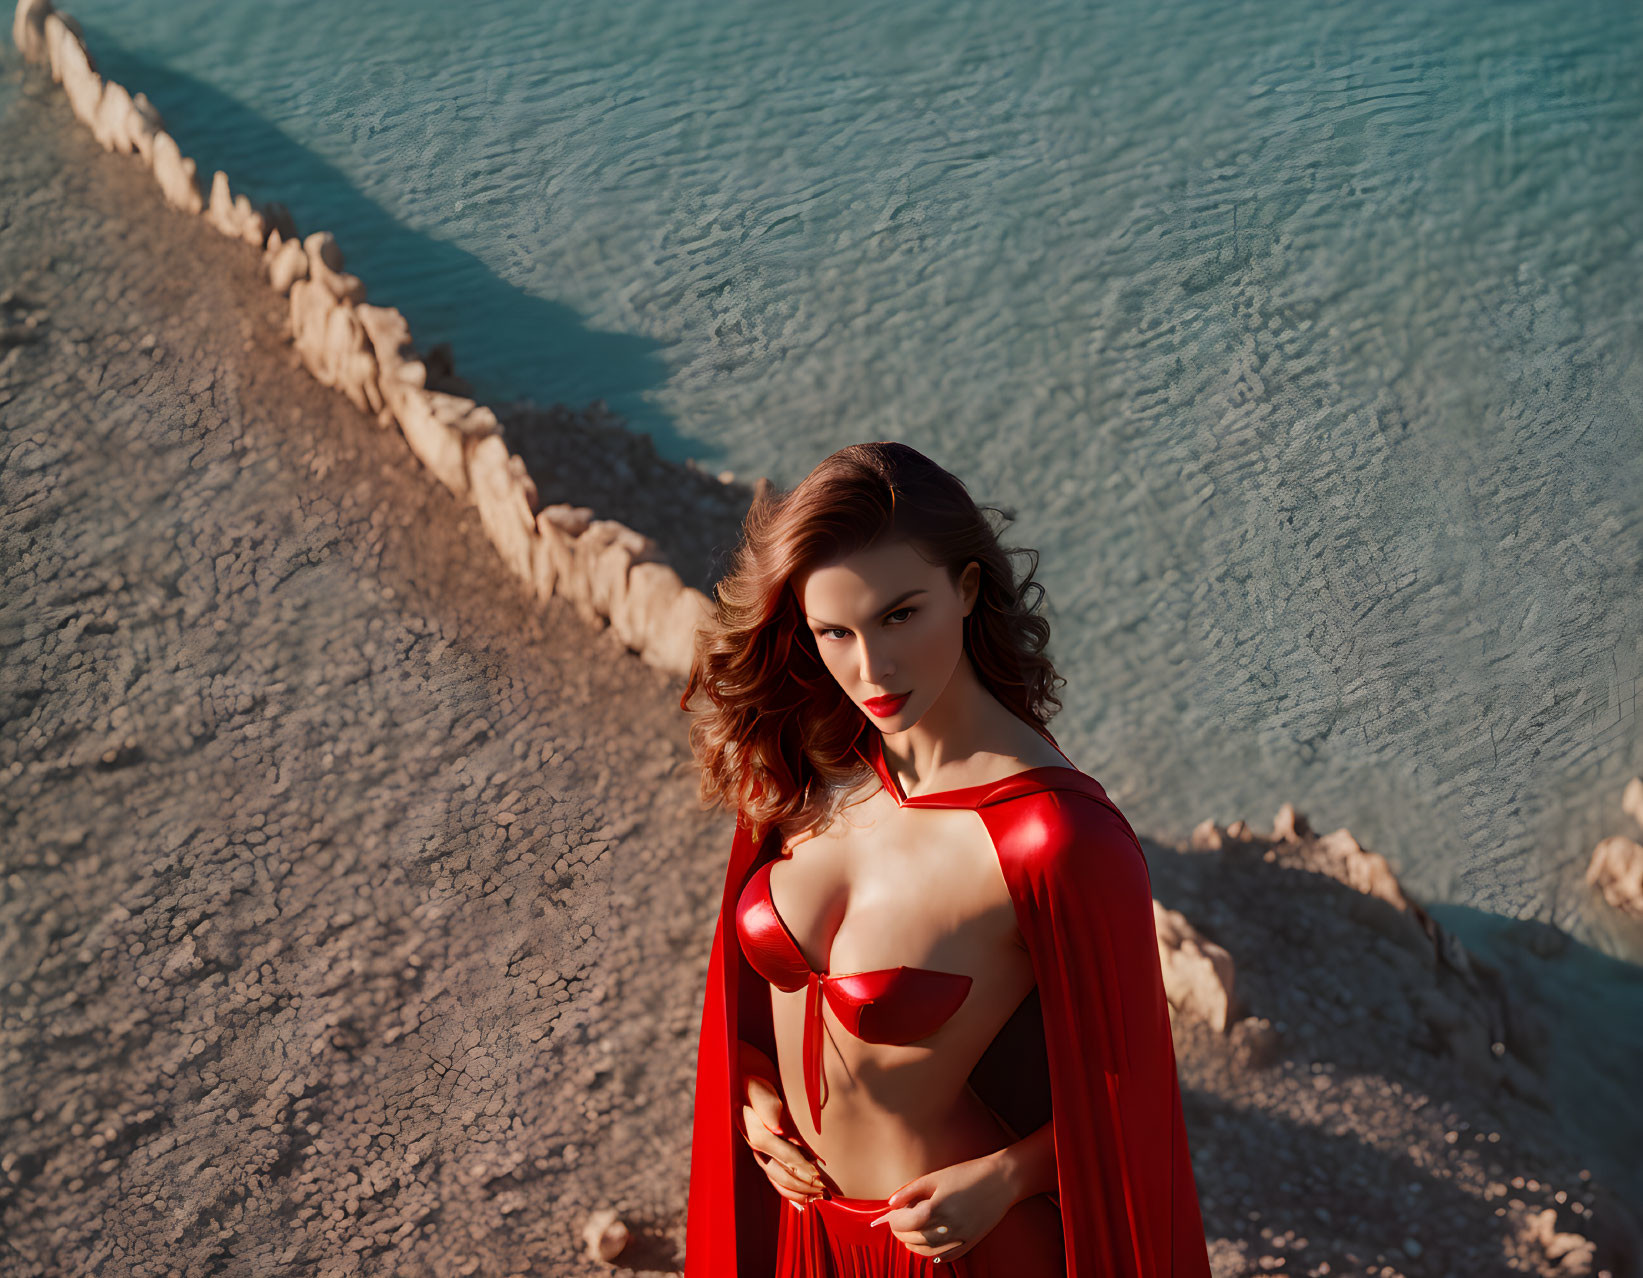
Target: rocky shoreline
(1383,1105)
(612,573)
(358,905)
(330,852)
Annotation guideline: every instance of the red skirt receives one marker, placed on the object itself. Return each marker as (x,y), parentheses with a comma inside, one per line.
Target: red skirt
(831,1238)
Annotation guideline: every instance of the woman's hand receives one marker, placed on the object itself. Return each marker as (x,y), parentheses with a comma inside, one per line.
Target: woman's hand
(763,1122)
(946,1212)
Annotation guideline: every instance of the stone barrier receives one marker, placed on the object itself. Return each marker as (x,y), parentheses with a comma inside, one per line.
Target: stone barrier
(1616,867)
(609,572)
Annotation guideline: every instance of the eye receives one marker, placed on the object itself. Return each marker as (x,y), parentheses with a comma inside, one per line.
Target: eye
(896,617)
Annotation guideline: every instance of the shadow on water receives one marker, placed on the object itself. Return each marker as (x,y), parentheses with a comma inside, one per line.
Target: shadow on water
(1593,1006)
(508,344)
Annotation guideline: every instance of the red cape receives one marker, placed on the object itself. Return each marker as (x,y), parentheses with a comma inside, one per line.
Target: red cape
(1090,1046)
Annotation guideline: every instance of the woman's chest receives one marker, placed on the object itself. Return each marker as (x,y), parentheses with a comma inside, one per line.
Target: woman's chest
(886,886)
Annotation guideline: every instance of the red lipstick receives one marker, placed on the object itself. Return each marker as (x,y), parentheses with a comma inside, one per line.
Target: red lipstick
(884,707)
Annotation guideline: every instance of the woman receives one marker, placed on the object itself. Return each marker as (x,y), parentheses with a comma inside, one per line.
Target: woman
(934,1031)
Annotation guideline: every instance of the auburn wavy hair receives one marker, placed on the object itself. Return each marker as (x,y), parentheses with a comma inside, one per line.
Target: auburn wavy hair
(774,741)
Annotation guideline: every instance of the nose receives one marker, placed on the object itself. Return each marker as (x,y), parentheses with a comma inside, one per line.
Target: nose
(877,665)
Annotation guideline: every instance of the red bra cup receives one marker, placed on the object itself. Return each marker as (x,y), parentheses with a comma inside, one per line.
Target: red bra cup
(890,1005)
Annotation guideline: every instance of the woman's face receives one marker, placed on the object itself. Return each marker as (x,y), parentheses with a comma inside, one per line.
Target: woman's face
(890,627)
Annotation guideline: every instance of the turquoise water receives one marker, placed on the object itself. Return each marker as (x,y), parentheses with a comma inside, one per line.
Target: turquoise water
(1304,338)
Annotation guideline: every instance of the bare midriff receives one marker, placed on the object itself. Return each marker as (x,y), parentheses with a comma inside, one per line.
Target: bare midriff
(889,886)
(891,1113)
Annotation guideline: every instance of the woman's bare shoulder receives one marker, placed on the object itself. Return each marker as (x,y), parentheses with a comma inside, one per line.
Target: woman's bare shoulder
(841,816)
(1023,749)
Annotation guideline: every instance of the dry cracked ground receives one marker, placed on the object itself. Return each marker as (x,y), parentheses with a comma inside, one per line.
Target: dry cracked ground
(312,924)
(354,909)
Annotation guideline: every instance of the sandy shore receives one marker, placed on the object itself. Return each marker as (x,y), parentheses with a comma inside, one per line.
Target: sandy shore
(356,906)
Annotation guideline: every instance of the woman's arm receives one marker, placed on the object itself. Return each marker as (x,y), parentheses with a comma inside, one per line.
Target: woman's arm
(1028,1166)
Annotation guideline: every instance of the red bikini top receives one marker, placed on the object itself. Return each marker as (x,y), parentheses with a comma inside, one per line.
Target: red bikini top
(891,1005)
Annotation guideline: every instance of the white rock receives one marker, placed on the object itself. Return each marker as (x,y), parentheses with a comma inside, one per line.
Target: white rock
(1361,869)
(605,1234)
(348,359)
(254,226)
(175,173)
(658,616)
(1207,836)
(601,558)
(505,496)
(1631,801)
(551,555)
(323,245)
(434,442)
(72,66)
(390,336)
(554,552)
(58,27)
(84,88)
(573,520)
(234,215)
(1198,975)
(675,648)
(325,267)
(1616,870)
(286,266)
(28,29)
(332,342)
(219,208)
(363,373)
(639,614)
(342,336)
(438,427)
(1289,826)
(311,308)
(113,126)
(142,125)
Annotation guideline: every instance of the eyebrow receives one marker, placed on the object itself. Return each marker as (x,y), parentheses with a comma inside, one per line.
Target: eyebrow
(889,607)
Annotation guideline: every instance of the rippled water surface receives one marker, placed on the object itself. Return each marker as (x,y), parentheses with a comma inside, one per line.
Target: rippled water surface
(1303,338)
